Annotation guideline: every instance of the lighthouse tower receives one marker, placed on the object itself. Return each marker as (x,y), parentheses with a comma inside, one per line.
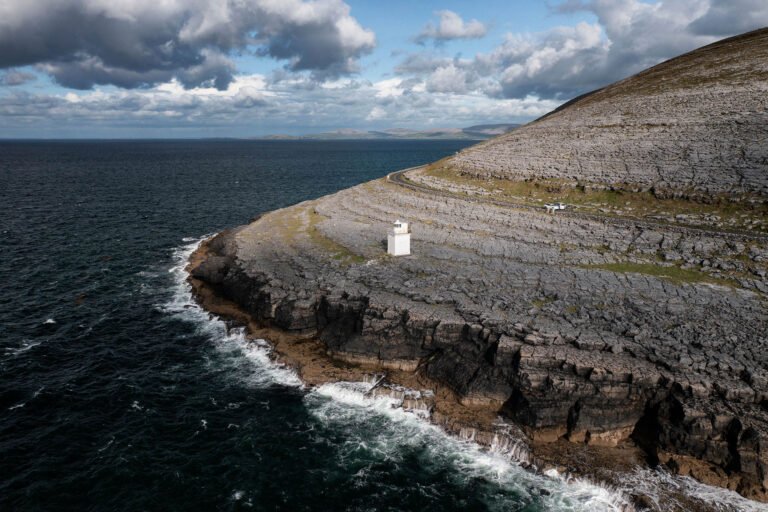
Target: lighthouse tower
(399,239)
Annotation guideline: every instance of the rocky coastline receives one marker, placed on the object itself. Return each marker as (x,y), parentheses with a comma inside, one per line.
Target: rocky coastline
(305,353)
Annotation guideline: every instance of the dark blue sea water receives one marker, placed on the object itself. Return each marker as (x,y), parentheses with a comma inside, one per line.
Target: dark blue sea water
(118,393)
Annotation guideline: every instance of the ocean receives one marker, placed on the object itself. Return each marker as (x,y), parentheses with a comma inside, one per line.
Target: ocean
(117,392)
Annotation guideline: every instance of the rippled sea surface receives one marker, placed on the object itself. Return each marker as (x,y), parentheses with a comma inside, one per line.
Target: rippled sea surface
(118,393)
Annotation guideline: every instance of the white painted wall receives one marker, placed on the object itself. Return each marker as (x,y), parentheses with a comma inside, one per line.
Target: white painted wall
(399,244)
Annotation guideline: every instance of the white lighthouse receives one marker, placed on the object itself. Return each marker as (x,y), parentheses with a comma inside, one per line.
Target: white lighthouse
(399,239)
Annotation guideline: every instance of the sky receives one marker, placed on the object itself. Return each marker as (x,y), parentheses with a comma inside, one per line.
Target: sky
(248,68)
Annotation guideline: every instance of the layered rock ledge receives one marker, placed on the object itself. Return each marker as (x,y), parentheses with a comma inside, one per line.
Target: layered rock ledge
(514,312)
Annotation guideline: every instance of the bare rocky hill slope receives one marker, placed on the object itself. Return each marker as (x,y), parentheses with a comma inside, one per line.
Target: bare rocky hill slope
(694,125)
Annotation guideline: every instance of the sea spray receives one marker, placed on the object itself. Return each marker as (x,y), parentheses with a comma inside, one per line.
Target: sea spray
(669,492)
(407,414)
(261,369)
(378,424)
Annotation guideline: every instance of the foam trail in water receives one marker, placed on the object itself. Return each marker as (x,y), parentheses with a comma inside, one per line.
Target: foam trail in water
(25,345)
(376,425)
(345,404)
(251,358)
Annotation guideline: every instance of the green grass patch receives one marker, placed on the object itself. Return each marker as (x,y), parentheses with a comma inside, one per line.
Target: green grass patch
(540,303)
(673,273)
(338,252)
(296,222)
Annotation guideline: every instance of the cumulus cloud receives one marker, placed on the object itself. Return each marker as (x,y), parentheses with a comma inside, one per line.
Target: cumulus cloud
(627,37)
(448,79)
(173,61)
(255,104)
(558,63)
(725,17)
(451,26)
(139,43)
(422,62)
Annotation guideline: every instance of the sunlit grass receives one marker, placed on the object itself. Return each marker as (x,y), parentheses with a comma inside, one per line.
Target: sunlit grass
(672,273)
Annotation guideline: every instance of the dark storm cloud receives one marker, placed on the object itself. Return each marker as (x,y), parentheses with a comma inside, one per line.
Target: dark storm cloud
(138,43)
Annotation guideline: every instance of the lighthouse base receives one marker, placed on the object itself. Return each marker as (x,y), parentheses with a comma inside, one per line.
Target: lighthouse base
(399,244)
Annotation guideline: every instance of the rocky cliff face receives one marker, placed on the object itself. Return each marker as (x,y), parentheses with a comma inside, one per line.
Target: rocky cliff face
(694,125)
(595,331)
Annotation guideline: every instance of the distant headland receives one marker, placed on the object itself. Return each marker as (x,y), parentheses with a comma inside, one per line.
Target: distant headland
(476,132)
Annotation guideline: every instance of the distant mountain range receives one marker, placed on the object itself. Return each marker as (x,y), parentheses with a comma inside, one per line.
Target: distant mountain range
(477,132)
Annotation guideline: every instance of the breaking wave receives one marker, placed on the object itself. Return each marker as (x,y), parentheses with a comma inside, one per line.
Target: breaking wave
(376,425)
(375,429)
(661,488)
(250,358)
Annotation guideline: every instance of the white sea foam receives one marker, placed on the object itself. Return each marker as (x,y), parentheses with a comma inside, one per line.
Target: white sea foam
(384,431)
(377,425)
(109,443)
(250,358)
(25,345)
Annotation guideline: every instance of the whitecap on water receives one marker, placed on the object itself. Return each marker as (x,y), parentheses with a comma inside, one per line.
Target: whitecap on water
(25,345)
